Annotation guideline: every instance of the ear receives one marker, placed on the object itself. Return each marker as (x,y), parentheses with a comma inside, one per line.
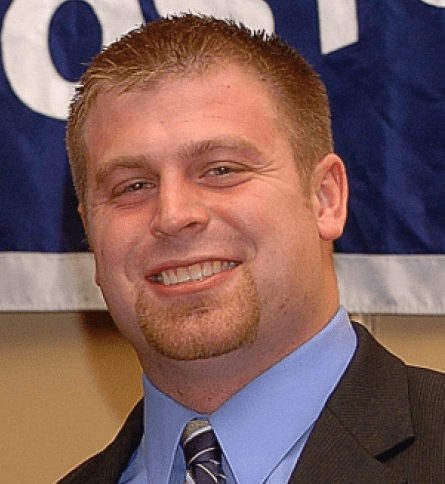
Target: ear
(329,196)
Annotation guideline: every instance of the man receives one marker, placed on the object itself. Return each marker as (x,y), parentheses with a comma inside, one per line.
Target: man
(202,157)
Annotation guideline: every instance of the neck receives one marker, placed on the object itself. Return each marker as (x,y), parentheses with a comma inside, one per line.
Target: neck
(220,377)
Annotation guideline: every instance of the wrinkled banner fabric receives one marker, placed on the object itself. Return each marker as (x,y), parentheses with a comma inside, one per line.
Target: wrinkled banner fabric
(383,63)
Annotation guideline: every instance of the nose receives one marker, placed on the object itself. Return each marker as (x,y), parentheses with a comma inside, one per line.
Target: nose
(179,208)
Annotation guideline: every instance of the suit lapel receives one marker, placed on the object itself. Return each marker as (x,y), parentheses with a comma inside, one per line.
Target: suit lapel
(366,420)
(334,456)
(122,448)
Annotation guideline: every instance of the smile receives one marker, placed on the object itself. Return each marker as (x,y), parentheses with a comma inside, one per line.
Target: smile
(195,272)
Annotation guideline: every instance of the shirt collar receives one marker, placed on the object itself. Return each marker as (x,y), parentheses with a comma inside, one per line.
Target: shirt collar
(164,421)
(286,399)
(261,422)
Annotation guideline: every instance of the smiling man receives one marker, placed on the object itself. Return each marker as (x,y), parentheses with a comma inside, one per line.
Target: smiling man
(202,157)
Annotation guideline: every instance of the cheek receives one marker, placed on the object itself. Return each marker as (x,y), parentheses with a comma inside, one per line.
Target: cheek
(285,233)
(251,212)
(267,216)
(113,241)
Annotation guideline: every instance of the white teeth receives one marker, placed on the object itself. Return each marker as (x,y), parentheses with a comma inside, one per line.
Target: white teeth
(183,274)
(216,267)
(168,277)
(165,279)
(172,277)
(196,272)
(207,269)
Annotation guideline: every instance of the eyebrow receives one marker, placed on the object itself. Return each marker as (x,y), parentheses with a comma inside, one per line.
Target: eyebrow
(197,149)
(121,162)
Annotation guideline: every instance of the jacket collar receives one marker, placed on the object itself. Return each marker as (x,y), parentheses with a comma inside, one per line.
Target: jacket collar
(366,420)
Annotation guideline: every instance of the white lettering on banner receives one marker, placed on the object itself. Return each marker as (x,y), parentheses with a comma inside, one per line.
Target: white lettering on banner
(435,3)
(255,14)
(338,24)
(26,56)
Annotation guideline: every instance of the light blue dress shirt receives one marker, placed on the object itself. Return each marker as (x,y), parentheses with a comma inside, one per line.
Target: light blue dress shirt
(263,428)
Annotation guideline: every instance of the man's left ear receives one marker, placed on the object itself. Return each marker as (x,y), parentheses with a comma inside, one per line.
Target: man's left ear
(330,195)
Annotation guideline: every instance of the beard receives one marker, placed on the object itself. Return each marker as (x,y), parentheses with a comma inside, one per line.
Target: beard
(202,326)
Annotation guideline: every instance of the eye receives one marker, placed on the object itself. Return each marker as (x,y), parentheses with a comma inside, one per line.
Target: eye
(132,187)
(225,174)
(220,170)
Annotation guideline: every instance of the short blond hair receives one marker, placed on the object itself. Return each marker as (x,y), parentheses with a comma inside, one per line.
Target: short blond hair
(187,44)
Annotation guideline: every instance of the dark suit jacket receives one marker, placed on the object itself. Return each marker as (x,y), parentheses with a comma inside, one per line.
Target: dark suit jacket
(384,424)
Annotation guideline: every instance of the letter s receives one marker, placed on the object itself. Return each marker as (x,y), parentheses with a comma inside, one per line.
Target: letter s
(26,56)
(338,24)
(435,3)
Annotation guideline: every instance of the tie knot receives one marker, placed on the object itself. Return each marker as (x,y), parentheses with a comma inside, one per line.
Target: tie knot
(199,442)
(202,453)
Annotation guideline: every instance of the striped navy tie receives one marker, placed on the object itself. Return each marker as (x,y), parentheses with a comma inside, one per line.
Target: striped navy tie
(202,454)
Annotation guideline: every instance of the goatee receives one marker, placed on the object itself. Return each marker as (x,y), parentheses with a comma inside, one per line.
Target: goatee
(202,326)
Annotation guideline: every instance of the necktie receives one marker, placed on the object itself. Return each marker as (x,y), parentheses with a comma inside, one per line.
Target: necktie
(202,454)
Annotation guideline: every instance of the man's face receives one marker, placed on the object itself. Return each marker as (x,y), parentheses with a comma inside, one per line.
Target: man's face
(203,241)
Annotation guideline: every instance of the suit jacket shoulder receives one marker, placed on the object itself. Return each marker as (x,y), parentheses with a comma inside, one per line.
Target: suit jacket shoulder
(384,423)
(425,458)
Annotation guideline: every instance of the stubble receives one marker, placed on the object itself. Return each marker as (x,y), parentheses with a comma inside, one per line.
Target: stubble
(202,326)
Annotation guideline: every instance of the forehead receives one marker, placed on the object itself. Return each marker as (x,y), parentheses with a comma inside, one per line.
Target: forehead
(225,79)
(220,102)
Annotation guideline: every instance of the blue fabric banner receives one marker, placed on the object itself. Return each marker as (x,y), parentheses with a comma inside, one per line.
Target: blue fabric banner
(384,66)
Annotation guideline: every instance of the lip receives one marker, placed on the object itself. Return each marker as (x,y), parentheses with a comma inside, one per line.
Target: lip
(192,286)
(175,264)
